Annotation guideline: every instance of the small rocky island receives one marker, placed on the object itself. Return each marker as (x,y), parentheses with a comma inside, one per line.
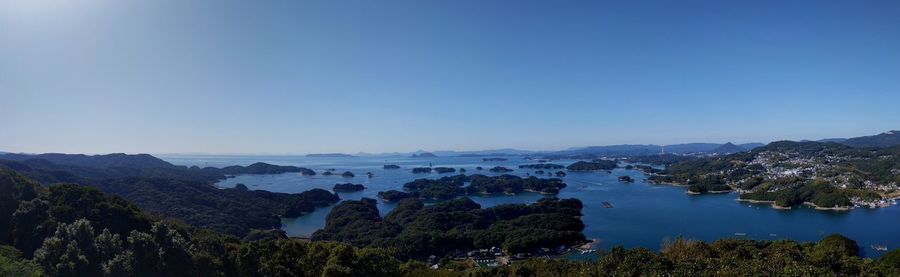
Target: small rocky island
(348,187)
(626,179)
(418,170)
(391,166)
(494,159)
(347,174)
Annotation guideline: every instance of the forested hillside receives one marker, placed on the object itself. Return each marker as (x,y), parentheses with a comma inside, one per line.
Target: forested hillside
(178,192)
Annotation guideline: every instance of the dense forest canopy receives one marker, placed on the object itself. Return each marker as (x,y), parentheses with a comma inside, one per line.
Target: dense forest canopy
(418,231)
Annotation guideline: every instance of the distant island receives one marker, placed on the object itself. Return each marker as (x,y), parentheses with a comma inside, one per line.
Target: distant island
(347,174)
(348,187)
(264,168)
(330,155)
(626,179)
(494,159)
(391,166)
(418,170)
(541,166)
(592,165)
(423,155)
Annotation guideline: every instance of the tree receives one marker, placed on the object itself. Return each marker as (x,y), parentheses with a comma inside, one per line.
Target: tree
(70,251)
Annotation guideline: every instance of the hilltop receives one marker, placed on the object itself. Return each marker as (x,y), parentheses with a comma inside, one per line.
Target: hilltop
(886,139)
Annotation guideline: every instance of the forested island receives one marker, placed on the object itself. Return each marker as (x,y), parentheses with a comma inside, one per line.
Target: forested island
(444,170)
(261,168)
(542,166)
(348,187)
(500,169)
(786,174)
(394,195)
(592,165)
(418,170)
(450,187)
(391,166)
(417,231)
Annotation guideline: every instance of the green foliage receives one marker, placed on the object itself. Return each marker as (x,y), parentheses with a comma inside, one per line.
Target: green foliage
(12,264)
(417,231)
(822,195)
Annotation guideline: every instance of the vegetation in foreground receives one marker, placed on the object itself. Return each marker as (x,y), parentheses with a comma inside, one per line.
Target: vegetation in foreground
(72,230)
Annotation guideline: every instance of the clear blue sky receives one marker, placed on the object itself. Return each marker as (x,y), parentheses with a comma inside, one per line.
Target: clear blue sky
(345,76)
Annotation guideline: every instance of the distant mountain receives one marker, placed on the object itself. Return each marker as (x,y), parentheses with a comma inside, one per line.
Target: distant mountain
(835,140)
(728,148)
(751,146)
(139,161)
(886,139)
(330,155)
(652,149)
(479,153)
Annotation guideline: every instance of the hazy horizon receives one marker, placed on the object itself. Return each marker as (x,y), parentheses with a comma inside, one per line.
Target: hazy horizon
(298,77)
(418,150)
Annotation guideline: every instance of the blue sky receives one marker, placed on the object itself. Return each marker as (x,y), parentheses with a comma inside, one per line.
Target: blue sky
(379,76)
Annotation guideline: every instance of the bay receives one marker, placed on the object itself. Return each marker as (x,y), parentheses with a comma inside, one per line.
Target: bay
(643,214)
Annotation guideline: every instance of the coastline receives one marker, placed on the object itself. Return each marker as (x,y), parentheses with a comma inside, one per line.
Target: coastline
(772,203)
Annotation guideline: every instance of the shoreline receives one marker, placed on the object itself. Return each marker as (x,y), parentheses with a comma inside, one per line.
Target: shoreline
(772,203)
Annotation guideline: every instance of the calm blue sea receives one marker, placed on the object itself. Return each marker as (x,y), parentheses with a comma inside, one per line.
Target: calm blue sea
(643,215)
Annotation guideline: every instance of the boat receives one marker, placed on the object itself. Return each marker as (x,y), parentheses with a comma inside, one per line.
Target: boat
(740,234)
(607,205)
(880,248)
